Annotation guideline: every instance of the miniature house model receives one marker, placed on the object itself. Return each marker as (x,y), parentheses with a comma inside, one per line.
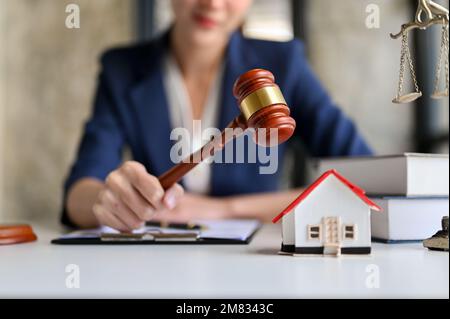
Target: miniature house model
(330,217)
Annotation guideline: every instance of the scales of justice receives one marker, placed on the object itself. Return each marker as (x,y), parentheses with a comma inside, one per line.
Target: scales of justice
(428,14)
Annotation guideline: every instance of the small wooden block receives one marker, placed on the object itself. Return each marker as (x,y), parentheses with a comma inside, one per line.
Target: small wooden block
(15,234)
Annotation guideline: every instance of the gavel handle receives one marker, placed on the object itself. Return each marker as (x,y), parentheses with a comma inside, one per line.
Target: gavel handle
(173,175)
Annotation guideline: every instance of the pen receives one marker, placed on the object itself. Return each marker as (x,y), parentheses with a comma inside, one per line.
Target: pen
(189,226)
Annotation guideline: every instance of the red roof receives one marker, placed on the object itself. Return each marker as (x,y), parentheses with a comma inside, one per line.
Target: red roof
(355,189)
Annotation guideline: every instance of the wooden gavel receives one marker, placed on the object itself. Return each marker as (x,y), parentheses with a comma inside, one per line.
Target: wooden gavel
(262,106)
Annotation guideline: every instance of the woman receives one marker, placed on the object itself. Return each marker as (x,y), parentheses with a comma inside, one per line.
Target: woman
(185,75)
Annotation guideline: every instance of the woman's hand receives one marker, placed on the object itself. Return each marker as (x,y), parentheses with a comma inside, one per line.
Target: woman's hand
(131,197)
(193,207)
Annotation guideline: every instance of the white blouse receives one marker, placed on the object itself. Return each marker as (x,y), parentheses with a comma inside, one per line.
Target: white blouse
(180,110)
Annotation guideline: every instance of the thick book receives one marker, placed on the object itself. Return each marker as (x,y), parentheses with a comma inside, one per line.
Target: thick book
(405,219)
(409,174)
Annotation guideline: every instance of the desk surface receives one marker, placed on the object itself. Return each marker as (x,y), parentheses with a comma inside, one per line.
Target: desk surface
(250,271)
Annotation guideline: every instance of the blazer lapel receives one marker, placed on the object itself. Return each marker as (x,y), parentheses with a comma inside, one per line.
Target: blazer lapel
(238,61)
(149,100)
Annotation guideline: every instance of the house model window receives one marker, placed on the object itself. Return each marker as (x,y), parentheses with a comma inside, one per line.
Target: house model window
(314,232)
(350,232)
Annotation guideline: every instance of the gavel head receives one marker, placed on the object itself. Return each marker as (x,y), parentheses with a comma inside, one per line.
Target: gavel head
(263,106)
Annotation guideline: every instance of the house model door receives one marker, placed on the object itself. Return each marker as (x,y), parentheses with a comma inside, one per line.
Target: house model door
(332,238)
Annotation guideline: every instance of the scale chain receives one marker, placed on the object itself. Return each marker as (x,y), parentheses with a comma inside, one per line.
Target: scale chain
(443,55)
(402,65)
(406,58)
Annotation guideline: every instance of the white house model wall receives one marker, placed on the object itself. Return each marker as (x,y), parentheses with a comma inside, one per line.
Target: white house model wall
(332,198)
(332,216)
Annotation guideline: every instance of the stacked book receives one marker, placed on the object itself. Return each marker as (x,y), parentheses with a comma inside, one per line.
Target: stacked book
(412,189)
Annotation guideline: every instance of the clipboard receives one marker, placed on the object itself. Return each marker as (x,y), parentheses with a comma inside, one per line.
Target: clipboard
(227,232)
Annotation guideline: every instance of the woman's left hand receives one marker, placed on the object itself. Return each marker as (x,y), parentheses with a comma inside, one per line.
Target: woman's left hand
(193,207)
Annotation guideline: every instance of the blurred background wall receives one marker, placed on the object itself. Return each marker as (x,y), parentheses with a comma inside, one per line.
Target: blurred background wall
(48,76)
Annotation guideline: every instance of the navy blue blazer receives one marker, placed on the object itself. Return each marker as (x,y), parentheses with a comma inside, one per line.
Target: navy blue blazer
(131,110)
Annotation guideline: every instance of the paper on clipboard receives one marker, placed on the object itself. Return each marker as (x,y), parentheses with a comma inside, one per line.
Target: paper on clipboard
(229,229)
(240,230)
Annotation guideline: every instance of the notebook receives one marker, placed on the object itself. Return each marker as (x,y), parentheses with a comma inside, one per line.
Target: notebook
(224,232)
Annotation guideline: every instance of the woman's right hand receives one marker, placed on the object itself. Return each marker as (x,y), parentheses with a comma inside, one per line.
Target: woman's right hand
(131,197)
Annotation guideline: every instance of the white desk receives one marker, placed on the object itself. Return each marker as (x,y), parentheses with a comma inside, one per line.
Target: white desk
(253,271)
